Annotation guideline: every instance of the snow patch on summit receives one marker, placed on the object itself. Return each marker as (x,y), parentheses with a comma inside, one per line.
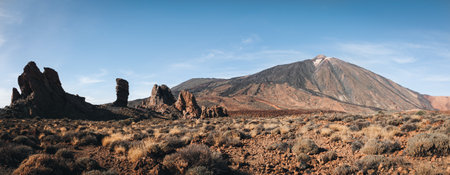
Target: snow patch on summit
(319,59)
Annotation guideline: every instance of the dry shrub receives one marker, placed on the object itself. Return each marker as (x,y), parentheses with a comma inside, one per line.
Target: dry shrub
(122,144)
(51,139)
(199,170)
(374,146)
(427,169)
(278,146)
(24,140)
(326,132)
(306,146)
(408,127)
(43,164)
(376,162)
(356,145)
(120,150)
(86,164)
(285,129)
(302,157)
(115,137)
(375,131)
(329,156)
(82,138)
(425,144)
(171,144)
(148,148)
(64,153)
(12,154)
(228,138)
(345,170)
(177,131)
(193,156)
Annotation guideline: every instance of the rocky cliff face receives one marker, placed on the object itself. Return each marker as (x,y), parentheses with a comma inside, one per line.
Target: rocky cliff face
(319,83)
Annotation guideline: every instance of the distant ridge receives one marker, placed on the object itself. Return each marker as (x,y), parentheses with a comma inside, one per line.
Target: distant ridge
(319,83)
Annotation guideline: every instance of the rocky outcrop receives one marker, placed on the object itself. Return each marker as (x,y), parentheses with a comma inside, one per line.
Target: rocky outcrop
(42,95)
(15,95)
(160,99)
(187,104)
(121,93)
(214,111)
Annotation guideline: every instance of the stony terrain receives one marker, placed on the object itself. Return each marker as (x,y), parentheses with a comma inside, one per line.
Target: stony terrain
(315,143)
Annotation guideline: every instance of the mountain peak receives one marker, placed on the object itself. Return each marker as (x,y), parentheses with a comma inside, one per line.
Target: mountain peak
(320,59)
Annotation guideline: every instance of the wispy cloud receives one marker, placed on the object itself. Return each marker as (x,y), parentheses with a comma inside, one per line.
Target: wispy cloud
(182,65)
(437,78)
(251,39)
(92,79)
(89,80)
(380,53)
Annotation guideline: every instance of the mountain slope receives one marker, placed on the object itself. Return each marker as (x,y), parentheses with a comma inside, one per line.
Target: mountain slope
(319,83)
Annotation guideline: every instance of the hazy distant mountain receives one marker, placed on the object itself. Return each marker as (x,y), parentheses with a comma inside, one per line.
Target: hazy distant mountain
(319,83)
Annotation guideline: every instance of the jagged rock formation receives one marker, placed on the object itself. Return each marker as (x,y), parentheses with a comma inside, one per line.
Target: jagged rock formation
(214,111)
(160,99)
(319,83)
(42,95)
(187,104)
(121,92)
(15,95)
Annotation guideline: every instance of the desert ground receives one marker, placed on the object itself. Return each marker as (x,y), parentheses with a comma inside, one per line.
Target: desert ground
(311,143)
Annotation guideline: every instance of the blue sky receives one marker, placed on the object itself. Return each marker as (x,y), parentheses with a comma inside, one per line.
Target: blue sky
(90,43)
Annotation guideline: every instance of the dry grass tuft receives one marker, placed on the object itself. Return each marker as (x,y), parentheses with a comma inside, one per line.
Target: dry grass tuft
(115,137)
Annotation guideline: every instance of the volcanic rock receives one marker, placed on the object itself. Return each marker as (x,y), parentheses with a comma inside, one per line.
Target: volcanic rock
(42,95)
(121,92)
(187,104)
(160,99)
(15,95)
(214,111)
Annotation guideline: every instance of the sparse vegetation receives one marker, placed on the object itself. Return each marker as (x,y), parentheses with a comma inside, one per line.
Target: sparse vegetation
(374,146)
(43,164)
(306,146)
(287,144)
(194,156)
(425,144)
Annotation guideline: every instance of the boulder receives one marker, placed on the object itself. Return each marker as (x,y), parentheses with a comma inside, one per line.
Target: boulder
(214,111)
(121,93)
(187,104)
(160,99)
